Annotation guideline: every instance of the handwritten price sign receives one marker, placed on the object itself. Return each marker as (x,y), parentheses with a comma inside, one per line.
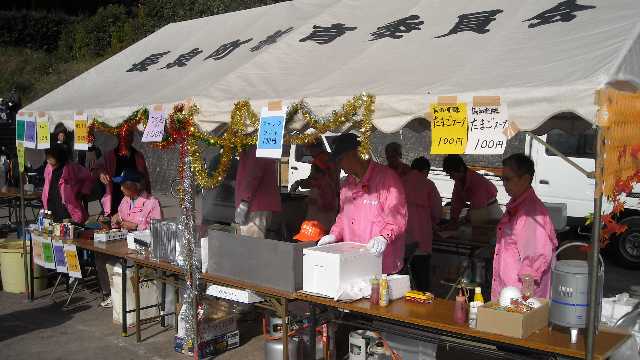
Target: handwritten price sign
(43,131)
(155,126)
(486,129)
(73,264)
(30,131)
(81,132)
(271,133)
(449,128)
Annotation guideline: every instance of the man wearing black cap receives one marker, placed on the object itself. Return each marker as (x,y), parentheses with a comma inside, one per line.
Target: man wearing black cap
(373,208)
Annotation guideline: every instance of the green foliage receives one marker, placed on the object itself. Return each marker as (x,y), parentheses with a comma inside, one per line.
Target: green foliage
(41,51)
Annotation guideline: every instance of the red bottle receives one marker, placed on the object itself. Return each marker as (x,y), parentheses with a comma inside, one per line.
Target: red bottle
(461,309)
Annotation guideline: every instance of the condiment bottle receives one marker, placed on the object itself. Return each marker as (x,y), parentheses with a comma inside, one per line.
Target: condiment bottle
(527,286)
(460,308)
(474,305)
(384,291)
(375,291)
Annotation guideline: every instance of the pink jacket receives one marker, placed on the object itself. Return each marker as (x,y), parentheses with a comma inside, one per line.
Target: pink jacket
(372,207)
(141,211)
(424,205)
(109,167)
(526,242)
(257,182)
(75,180)
(476,189)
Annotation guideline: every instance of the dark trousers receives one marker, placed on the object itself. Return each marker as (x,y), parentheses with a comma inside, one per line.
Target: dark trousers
(102,260)
(420,272)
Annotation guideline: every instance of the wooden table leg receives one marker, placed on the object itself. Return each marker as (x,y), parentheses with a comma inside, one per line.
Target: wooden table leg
(125,329)
(136,293)
(285,329)
(163,298)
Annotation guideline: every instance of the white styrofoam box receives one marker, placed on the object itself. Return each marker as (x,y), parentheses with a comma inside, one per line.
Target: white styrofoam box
(144,235)
(328,269)
(243,296)
(204,253)
(110,235)
(148,296)
(398,286)
(558,214)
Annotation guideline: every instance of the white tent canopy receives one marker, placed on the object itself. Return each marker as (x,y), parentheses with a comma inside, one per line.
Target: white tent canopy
(542,57)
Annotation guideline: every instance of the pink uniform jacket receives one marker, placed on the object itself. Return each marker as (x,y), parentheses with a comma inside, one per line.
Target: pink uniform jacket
(257,182)
(476,189)
(526,242)
(109,167)
(424,205)
(140,211)
(75,180)
(372,207)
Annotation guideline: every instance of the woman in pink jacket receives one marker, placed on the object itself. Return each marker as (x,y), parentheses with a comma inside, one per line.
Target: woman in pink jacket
(65,183)
(526,238)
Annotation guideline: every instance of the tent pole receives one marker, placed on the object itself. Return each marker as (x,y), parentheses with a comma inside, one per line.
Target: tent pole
(25,251)
(592,315)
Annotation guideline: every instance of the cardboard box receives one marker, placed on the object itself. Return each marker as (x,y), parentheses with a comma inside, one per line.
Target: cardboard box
(210,348)
(513,324)
(328,269)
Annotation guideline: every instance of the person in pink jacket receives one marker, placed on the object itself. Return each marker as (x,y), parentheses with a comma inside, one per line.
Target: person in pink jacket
(424,206)
(257,193)
(373,208)
(473,188)
(526,238)
(115,161)
(65,182)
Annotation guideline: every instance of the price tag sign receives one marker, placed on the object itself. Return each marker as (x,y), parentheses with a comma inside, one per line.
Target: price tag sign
(73,264)
(271,133)
(20,126)
(487,124)
(155,125)
(42,121)
(37,250)
(81,131)
(30,131)
(449,128)
(58,253)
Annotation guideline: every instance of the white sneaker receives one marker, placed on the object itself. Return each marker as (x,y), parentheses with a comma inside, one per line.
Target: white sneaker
(107,304)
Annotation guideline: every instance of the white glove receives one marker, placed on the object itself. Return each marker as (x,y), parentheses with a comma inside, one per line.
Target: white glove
(241,213)
(377,245)
(327,239)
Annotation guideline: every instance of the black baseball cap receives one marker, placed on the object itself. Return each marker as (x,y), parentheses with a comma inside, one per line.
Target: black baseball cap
(343,144)
(127,175)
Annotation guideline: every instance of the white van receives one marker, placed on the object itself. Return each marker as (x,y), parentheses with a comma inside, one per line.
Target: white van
(555,182)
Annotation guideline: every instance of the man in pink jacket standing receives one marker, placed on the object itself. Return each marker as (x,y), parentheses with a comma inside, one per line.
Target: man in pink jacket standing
(373,208)
(526,236)
(257,193)
(424,206)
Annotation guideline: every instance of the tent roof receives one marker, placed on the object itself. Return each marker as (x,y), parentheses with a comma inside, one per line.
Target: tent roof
(543,57)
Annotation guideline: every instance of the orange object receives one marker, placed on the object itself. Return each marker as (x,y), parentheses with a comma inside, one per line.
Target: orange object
(310,230)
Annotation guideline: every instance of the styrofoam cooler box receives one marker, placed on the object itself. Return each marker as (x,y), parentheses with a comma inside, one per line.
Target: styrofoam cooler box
(328,269)
(148,296)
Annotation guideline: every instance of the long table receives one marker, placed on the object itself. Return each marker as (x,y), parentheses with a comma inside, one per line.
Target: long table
(275,300)
(438,318)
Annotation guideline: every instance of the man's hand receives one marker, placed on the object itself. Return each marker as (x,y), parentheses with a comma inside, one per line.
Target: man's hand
(241,213)
(129,225)
(377,245)
(327,239)
(105,179)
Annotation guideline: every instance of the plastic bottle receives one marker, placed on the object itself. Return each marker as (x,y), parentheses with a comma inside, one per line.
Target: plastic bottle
(473,307)
(527,286)
(384,291)
(375,291)
(460,308)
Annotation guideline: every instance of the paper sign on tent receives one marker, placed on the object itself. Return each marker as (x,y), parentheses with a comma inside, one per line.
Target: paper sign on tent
(155,125)
(73,264)
(488,119)
(20,151)
(43,131)
(47,253)
(30,131)
(271,131)
(81,131)
(20,126)
(37,250)
(448,127)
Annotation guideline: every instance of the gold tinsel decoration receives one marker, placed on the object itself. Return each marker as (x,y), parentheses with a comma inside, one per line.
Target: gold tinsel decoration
(182,130)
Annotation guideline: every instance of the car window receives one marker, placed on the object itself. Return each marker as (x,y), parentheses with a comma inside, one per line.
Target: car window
(572,145)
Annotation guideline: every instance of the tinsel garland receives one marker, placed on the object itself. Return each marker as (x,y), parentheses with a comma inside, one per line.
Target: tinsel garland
(182,128)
